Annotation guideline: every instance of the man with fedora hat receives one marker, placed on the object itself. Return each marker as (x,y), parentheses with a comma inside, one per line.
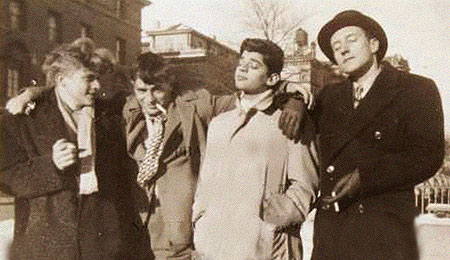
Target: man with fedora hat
(380,133)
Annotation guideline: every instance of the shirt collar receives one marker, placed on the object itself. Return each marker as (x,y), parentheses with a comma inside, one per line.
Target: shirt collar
(260,101)
(368,81)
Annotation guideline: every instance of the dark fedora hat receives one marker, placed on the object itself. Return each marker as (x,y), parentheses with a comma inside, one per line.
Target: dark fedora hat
(351,18)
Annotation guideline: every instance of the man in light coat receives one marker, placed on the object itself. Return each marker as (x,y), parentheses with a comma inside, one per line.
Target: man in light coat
(256,186)
(169,191)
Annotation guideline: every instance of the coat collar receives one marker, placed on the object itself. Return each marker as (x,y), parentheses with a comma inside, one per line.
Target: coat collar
(180,111)
(383,92)
(48,109)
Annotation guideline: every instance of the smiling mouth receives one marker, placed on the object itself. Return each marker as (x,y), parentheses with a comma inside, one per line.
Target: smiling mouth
(348,59)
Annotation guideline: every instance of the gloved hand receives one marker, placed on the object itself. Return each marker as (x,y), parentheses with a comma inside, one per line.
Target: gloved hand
(347,187)
(302,89)
(291,118)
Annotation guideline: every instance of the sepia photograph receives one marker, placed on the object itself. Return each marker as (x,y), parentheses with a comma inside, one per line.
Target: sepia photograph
(224,130)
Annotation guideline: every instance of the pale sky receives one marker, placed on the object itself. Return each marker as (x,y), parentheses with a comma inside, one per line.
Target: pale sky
(419,30)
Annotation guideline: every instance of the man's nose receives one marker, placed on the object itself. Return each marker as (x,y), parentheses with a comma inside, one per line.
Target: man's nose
(344,49)
(149,97)
(95,86)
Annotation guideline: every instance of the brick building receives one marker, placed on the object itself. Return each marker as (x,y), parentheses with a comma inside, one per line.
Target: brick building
(30,28)
(203,61)
(302,65)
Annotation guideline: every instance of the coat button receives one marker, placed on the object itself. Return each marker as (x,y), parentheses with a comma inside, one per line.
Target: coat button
(377,135)
(331,178)
(361,209)
(330,169)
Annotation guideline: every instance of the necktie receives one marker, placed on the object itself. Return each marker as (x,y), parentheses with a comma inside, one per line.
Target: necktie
(358,93)
(149,166)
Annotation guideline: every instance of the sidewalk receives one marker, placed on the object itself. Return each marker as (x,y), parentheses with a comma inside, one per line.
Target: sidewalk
(7,228)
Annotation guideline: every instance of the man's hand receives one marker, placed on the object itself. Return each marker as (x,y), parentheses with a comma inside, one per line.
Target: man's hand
(17,105)
(20,103)
(291,118)
(348,186)
(64,154)
(280,211)
(302,88)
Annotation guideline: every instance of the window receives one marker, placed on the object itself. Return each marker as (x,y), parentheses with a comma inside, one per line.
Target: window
(85,30)
(16,15)
(13,82)
(54,27)
(120,50)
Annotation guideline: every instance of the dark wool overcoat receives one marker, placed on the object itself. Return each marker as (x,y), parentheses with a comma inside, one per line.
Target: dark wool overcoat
(52,220)
(395,138)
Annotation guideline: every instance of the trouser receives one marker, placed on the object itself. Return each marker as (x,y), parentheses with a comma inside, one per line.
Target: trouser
(162,246)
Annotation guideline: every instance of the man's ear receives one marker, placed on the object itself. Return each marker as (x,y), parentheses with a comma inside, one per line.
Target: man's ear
(374,45)
(58,77)
(273,79)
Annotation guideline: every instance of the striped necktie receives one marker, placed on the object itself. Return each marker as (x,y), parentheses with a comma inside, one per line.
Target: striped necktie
(358,90)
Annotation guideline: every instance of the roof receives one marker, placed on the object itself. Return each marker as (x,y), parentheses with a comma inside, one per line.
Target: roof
(181,28)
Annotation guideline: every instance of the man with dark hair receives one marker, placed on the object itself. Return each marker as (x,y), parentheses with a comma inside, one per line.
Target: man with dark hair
(273,56)
(166,136)
(380,133)
(65,163)
(255,186)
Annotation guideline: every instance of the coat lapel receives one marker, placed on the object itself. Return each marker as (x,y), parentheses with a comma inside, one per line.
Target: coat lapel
(49,124)
(384,90)
(172,123)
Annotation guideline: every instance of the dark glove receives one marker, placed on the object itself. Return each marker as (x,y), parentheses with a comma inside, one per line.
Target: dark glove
(347,187)
(291,118)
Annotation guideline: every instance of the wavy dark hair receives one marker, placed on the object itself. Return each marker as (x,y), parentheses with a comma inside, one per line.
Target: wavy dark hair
(273,55)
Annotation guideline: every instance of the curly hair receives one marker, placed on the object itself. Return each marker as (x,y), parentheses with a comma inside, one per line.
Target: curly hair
(81,53)
(273,55)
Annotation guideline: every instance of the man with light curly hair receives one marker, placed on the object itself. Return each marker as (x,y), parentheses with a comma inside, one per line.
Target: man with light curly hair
(65,163)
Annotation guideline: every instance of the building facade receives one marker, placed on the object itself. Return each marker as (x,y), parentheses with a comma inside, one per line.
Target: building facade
(31,28)
(302,65)
(202,61)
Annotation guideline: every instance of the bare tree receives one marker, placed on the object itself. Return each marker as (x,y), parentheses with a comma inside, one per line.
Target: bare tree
(271,19)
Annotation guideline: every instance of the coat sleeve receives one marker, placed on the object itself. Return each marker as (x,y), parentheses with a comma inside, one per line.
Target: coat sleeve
(135,131)
(206,185)
(302,176)
(223,103)
(423,152)
(27,175)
